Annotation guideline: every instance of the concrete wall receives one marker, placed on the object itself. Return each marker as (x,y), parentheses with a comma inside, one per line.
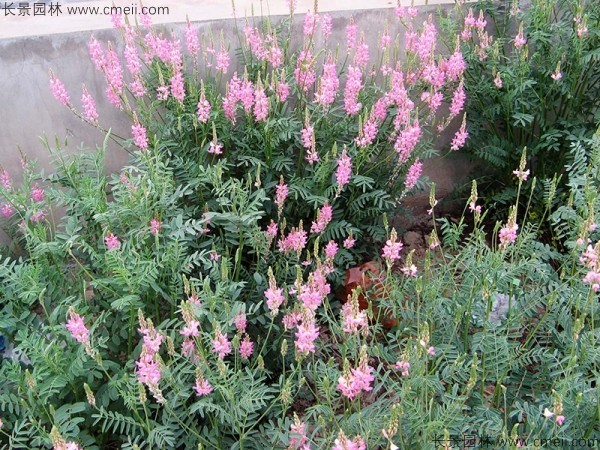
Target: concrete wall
(30,47)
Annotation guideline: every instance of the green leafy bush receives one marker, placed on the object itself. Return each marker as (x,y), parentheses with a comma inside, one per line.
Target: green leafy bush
(533,81)
(159,313)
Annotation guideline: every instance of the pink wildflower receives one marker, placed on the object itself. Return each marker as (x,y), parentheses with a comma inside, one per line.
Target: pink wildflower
(404,367)
(331,250)
(344,169)
(283,91)
(351,33)
(96,53)
(146,21)
(392,248)
(274,297)
(298,438)
(5,180)
(413,175)
(310,22)
(455,66)
(304,73)
(498,81)
(59,91)
(410,270)
(215,148)
(76,326)
(352,90)
(38,216)
(202,387)
(240,322)
(326,26)
(458,100)
(294,241)
(460,137)
(368,133)
(385,40)
(222,61)
(281,194)
(361,57)
(114,77)
(112,242)
(177,86)
(37,193)
(203,108)
(329,84)
(246,348)
(306,335)
(261,104)
(407,140)
(557,75)
(343,443)
(162,92)
(521,175)
(291,320)
(139,135)
(7,210)
(353,319)
(221,344)
(308,136)
(155,226)
(191,39)
(324,216)
(89,106)
(349,242)
(272,229)
(508,234)
(358,380)
(520,40)
(560,420)
(191,329)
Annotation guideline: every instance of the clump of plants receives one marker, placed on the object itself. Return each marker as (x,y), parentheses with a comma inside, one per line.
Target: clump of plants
(188,301)
(533,81)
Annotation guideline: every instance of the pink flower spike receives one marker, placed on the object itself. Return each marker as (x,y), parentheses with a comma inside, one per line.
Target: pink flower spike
(246,348)
(191,329)
(521,175)
(221,344)
(215,148)
(112,242)
(310,22)
(306,335)
(37,193)
(560,420)
(460,137)
(89,106)
(349,242)
(191,39)
(155,226)
(344,169)
(5,180)
(240,322)
(413,175)
(59,91)
(76,326)
(140,137)
(331,250)
(7,210)
(431,351)
(203,109)
(202,387)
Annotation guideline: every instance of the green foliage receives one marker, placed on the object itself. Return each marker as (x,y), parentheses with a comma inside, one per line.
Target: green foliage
(542,96)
